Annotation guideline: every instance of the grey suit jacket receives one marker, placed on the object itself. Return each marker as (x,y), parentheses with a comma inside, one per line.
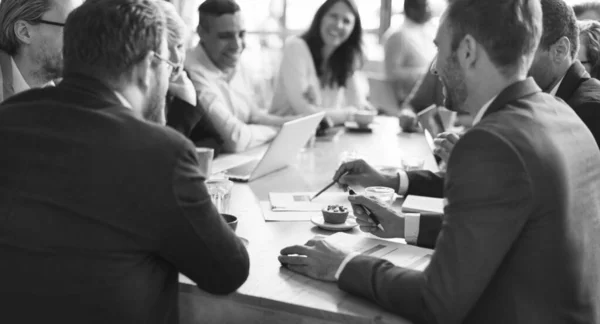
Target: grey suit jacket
(521,232)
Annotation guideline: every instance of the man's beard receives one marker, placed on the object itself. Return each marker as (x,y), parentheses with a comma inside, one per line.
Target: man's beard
(51,66)
(155,110)
(455,89)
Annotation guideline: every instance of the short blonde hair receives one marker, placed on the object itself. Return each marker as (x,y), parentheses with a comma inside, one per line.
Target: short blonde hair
(176,28)
(12,11)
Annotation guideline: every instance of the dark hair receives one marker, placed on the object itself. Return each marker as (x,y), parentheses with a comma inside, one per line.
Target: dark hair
(582,8)
(346,58)
(590,34)
(215,8)
(509,30)
(559,21)
(418,11)
(105,38)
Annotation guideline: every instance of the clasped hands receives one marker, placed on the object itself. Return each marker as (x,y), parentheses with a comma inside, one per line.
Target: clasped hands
(320,259)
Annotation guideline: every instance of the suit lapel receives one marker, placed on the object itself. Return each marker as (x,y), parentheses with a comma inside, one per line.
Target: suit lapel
(573,78)
(514,91)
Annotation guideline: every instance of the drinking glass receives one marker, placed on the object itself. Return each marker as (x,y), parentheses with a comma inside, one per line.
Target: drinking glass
(220,193)
(205,157)
(384,195)
(412,163)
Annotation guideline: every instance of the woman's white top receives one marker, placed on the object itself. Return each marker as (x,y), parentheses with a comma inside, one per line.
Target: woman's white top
(298,76)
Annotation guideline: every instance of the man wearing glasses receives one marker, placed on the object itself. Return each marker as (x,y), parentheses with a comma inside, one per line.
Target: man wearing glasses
(101,208)
(31,43)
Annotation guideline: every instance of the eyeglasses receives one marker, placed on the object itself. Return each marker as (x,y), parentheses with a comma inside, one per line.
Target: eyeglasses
(174,67)
(53,23)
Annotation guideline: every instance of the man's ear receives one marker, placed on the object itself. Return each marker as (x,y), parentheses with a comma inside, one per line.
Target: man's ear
(560,50)
(23,31)
(142,71)
(468,52)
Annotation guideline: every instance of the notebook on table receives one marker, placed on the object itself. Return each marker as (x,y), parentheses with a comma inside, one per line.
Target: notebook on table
(421,204)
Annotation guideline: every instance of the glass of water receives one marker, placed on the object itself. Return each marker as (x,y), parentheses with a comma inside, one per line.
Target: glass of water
(384,195)
(220,193)
(412,163)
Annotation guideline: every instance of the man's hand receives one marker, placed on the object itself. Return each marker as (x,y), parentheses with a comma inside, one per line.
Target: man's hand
(444,143)
(408,120)
(181,87)
(359,172)
(392,223)
(317,259)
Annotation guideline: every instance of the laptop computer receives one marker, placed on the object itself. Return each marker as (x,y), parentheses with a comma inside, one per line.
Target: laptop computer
(292,136)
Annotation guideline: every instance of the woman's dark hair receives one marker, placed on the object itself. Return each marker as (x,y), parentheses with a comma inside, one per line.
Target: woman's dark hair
(346,58)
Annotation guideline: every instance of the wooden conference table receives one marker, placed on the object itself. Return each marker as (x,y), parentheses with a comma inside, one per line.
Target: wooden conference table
(273,294)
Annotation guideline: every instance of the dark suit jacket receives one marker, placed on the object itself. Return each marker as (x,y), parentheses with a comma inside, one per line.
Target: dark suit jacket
(521,232)
(578,90)
(194,123)
(100,211)
(582,93)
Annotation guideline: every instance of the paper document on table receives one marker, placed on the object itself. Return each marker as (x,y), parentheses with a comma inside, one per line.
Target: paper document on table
(417,204)
(402,255)
(300,201)
(285,216)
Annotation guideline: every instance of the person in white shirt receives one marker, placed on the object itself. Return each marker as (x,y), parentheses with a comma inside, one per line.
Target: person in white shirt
(222,84)
(409,50)
(31,43)
(319,69)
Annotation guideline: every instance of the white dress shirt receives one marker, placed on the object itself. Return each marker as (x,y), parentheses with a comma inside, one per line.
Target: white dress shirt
(19,83)
(228,100)
(555,89)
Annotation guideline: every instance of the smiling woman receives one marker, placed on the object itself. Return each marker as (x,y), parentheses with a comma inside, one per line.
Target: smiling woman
(319,69)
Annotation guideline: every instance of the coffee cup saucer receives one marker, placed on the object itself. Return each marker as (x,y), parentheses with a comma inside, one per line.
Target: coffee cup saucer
(348,225)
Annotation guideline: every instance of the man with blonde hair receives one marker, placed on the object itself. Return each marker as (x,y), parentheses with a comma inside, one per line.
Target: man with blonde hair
(31,43)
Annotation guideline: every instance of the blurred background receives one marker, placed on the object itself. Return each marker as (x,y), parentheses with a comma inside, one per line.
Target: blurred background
(270,22)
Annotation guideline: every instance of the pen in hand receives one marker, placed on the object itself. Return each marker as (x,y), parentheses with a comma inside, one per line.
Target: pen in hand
(368,212)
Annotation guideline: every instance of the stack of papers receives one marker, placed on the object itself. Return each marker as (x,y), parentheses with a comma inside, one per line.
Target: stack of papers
(399,254)
(296,206)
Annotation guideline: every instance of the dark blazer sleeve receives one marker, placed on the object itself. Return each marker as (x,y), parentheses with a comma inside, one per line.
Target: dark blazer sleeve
(430,225)
(182,116)
(195,239)
(489,199)
(193,123)
(589,112)
(426,183)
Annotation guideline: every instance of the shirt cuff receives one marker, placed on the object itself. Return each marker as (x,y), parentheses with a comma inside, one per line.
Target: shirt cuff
(402,183)
(411,227)
(348,258)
